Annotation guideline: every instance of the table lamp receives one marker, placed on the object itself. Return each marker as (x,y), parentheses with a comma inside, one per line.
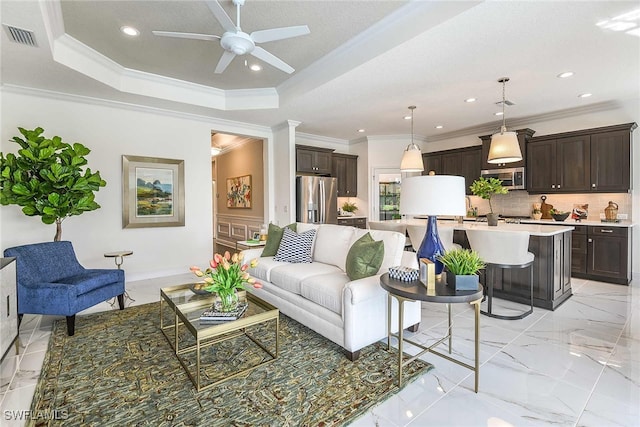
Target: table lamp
(432,195)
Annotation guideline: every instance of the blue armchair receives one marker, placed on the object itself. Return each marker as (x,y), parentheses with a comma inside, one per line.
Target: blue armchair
(52,281)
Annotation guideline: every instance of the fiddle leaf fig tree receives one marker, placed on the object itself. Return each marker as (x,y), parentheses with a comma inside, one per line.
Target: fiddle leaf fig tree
(48,178)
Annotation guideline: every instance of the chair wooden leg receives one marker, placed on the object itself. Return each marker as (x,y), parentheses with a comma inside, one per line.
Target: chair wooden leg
(121,301)
(71,325)
(353,355)
(20,319)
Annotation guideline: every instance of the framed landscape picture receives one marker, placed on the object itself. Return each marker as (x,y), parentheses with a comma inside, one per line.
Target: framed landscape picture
(239,192)
(153,192)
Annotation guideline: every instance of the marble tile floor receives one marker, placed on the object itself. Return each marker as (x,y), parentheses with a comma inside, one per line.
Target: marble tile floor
(576,366)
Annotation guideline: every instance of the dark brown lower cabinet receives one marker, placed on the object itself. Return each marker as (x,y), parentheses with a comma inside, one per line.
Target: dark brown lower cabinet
(353,222)
(606,255)
(551,273)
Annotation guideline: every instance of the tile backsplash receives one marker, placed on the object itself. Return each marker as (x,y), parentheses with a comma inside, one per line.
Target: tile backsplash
(520,202)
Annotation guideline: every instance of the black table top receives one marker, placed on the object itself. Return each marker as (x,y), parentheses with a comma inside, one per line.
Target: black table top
(415,290)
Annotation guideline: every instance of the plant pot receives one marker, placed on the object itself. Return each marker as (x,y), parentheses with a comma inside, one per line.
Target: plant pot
(463,282)
(536,216)
(492,219)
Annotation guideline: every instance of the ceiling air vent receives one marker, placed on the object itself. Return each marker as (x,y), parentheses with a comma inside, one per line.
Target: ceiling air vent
(506,102)
(21,36)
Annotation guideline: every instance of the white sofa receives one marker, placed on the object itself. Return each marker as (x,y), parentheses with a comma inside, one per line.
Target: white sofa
(320,295)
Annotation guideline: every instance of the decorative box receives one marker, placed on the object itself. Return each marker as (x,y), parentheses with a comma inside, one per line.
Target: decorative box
(405,274)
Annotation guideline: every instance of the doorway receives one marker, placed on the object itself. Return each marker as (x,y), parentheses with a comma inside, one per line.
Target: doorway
(385,194)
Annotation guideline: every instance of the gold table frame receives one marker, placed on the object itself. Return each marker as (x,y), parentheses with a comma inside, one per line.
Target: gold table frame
(205,335)
(441,293)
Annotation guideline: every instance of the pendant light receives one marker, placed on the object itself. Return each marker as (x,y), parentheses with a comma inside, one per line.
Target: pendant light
(412,157)
(505,147)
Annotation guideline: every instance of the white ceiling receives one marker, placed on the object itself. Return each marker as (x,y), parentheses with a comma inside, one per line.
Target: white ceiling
(362,65)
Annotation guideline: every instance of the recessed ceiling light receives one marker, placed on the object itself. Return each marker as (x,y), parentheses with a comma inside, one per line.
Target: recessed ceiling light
(565,74)
(439,127)
(130,31)
(584,95)
(255,67)
(407,117)
(499,113)
(470,100)
(361,130)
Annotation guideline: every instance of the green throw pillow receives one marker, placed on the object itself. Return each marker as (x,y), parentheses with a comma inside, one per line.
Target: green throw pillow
(365,257)
(274,235)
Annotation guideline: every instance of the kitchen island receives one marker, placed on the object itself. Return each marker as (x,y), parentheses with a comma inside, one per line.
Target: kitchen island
(551,245)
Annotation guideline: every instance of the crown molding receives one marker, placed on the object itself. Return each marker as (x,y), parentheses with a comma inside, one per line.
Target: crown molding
(528,121)
(221,125)
(74,54)
(287,124)
(401,138)
(321,139)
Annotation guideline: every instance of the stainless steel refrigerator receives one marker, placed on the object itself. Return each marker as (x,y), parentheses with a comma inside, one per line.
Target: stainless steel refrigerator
(316,199)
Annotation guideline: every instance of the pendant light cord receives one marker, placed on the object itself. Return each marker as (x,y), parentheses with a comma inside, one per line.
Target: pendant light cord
(504,124)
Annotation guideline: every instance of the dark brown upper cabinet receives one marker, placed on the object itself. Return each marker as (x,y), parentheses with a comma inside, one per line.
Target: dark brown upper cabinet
(590,160)
(313,160)
(464,162)
(524,135)
(345,169)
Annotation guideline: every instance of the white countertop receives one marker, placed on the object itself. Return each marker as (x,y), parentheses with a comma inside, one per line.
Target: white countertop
(350,216)
(543,229)
(533,229)
(623,223)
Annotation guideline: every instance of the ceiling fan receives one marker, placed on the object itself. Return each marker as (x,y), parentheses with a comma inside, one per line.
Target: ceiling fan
(236,42)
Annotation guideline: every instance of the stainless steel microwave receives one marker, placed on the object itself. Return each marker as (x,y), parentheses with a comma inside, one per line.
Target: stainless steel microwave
(512,178)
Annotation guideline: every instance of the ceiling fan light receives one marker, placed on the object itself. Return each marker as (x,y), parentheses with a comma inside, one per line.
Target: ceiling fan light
(505,148)
(412,159)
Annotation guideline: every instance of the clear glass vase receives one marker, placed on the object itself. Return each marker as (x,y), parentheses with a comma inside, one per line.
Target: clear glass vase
(228,301)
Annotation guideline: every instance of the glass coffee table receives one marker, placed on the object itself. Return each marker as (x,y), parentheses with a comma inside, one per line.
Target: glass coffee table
(194,342)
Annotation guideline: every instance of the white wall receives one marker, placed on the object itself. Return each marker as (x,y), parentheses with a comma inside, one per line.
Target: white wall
(111,130)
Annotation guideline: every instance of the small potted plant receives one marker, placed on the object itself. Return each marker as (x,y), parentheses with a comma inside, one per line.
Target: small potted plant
(486,188)
(462,267)
(536,213)
(349,208)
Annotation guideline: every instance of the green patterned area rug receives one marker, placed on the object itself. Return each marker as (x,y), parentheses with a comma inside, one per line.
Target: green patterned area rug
(119,369)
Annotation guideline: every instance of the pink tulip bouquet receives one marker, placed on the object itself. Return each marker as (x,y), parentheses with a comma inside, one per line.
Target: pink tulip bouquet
(225,276)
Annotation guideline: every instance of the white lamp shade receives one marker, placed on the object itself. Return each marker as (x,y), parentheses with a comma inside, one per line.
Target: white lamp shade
(412,160)
(433,195)
(504,148)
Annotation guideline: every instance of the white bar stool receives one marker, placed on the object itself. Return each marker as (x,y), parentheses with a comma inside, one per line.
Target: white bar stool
(502,250)
(417,232)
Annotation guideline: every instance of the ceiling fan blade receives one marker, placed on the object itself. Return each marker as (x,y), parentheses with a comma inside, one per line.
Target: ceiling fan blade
(194,36)
(224,62)
(271,59)
(263,36)
(221,16)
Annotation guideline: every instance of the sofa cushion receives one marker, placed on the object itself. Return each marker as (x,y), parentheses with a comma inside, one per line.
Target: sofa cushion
(393,246)
(332,244)
(262,271)
(290,276)
(365,257)
(294,247)
(273,238)
(325,290)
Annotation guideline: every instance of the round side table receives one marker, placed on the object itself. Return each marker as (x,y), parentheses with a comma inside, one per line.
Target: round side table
(118,257)
(441,293)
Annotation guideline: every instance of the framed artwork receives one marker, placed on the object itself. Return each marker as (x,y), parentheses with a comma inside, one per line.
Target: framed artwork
(256,235)
(239,192)
(152,192)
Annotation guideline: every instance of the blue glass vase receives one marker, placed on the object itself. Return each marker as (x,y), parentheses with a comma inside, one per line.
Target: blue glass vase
(431,246)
